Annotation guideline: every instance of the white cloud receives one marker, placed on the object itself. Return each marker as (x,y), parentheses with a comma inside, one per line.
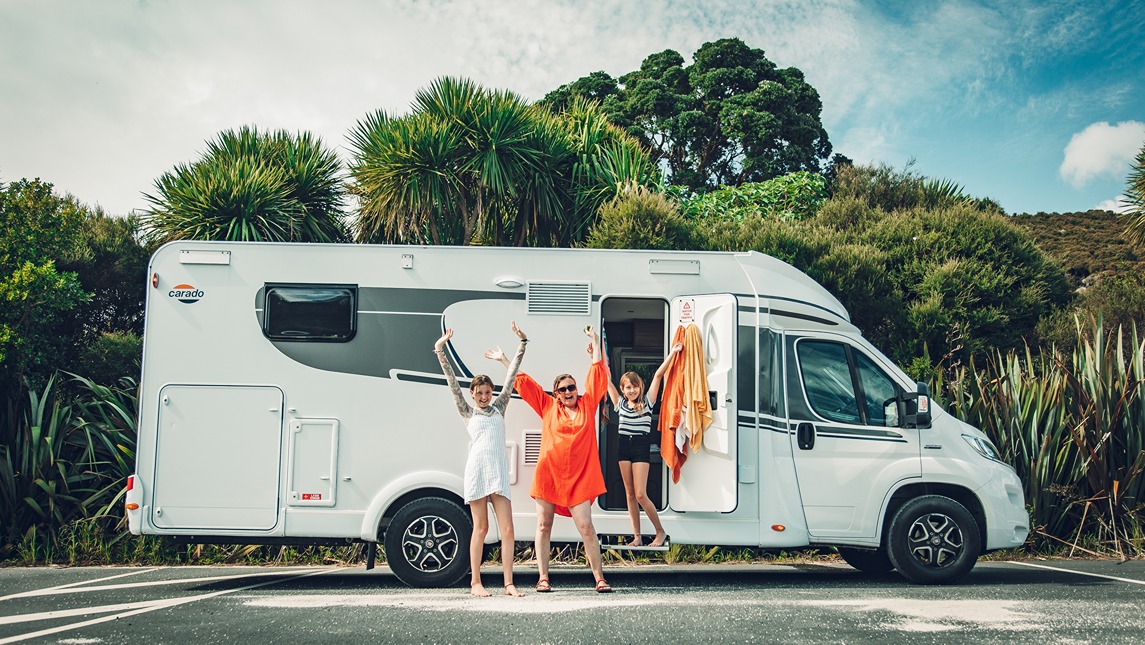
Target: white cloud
(1101,150)
(1118,204)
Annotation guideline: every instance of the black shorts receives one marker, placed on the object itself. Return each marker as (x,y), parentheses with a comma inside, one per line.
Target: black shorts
(635,448)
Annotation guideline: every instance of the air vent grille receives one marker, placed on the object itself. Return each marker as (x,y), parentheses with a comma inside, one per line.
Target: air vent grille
(532,447)
(562,298)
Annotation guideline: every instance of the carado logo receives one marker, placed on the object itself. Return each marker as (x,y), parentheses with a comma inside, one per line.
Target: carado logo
(186,293)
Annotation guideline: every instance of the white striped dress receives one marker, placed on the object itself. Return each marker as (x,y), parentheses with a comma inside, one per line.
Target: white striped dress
(487,466)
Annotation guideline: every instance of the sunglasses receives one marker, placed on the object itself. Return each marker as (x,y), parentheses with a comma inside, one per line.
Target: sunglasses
(567,388)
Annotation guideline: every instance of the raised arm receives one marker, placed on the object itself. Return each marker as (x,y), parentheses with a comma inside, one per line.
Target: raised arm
(502,399)
(463,407)
(654,386)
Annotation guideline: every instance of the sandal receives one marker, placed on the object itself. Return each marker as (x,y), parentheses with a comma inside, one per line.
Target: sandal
(602,586)
(515,593)
(543,586)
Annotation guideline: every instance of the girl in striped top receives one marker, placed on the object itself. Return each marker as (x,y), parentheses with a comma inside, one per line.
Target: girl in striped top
(634,410)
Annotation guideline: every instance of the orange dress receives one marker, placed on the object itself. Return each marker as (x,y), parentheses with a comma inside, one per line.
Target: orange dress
(568,468)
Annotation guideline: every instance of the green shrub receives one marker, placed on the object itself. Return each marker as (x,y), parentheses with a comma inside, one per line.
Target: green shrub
(639,219)
(111,356)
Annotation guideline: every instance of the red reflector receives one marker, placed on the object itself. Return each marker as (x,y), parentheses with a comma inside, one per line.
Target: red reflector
(132,507)
(130,482)
(154,280)
(778,527)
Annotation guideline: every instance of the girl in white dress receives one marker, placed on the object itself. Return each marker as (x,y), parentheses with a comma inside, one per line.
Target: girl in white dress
(487,467)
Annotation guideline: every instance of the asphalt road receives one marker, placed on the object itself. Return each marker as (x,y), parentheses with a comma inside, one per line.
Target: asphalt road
(1044,602)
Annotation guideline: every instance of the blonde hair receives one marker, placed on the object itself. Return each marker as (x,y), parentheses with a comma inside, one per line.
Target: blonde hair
(634,378)
(558,379)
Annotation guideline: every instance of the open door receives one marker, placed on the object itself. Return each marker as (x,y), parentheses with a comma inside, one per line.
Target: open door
(709,478)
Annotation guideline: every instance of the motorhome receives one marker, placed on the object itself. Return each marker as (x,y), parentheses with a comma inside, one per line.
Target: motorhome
(290,394)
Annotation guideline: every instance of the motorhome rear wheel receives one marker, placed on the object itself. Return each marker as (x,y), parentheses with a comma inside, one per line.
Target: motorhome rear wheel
(427,543)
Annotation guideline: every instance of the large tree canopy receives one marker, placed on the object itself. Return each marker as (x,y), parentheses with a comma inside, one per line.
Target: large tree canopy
(471,165)
(730,117)
(252,186)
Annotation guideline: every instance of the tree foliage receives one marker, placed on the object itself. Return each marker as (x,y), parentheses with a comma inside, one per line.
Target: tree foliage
(730,117)
(38,230)
(473,165)
(1135,193)
(797,195)
(640,218)
(252,186)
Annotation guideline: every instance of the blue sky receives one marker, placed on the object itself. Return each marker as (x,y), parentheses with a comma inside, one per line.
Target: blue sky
(1037,104)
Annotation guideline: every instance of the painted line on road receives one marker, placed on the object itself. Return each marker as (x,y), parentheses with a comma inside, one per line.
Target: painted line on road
(1080,573)
(72,588)
(68,613)
(48,590)
(159,604)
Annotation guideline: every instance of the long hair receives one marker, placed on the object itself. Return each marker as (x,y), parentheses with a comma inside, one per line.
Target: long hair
(634,378)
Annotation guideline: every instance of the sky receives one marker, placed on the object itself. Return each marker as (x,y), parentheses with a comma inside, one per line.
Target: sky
(1037,104)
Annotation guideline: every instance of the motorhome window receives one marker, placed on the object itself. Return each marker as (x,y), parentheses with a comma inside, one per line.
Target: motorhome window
(877,389)
(310,313)
(770,373)
(827,380)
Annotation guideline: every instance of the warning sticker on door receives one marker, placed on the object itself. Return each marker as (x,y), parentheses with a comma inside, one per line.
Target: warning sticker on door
(687,312)
(306,497)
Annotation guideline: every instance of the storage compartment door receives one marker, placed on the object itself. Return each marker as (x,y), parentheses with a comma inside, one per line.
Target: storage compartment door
(313,462)
(709,477)
(217,458)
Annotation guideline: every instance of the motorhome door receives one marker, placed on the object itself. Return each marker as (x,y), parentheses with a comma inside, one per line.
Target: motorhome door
(708,479)
(847,452)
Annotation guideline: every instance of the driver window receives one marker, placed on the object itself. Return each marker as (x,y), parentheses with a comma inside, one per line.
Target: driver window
(827,380)
(877,388)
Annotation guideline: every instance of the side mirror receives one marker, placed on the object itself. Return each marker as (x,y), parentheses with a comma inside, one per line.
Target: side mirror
(918,407)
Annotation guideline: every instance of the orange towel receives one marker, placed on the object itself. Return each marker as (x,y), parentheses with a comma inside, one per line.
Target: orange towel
(685,385)
(568,468)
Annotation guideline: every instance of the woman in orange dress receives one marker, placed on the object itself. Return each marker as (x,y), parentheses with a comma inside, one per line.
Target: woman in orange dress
(568,476)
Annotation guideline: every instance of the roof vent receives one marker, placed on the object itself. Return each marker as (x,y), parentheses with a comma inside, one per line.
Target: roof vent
(561,298)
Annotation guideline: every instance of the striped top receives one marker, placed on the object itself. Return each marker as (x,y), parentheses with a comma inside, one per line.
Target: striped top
(633,423)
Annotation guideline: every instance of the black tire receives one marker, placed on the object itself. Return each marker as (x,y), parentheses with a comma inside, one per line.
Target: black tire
(427,543)
(866,560)
(933,540)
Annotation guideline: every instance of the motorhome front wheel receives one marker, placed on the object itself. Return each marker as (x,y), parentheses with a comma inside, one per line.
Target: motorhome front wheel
(933,540)
(427,543)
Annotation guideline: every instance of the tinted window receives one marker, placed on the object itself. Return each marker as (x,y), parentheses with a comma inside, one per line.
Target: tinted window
(877,388)
(770,373)
(827,380)
(312,313)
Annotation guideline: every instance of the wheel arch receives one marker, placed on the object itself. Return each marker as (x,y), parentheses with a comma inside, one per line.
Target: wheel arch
(960,494)
(401,491)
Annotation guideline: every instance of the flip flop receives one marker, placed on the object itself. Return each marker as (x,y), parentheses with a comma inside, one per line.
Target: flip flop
(543,586)
(602,586)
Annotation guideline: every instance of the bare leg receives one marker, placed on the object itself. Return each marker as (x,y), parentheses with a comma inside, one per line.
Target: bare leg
(630,498)
(545,512)
(640,483)
(504,510)
(480,510)
(582,516)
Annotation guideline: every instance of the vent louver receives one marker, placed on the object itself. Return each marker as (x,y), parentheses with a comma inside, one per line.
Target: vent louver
(567,298)
(532,447)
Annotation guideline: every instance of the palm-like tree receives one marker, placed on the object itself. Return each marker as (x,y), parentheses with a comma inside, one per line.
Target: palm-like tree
(470,165)
(252,186)
(1135,193)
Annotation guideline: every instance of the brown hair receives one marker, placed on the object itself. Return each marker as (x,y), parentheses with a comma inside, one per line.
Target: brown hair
(634,378)
(558,379)
(479,380)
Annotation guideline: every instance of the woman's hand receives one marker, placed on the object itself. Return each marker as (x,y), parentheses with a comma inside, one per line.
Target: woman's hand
(517,330)
(676,349)
(440,344)
(495,354)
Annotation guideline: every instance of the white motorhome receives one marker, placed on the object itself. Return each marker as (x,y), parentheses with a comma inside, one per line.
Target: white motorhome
(290,395)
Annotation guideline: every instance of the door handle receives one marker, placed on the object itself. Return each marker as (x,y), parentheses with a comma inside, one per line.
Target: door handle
(805,436)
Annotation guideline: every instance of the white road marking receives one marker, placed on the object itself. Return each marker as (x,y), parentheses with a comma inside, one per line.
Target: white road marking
(76,584)
(945,615)
(67,613)
(72,588)
(1080,573)
(158,604)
